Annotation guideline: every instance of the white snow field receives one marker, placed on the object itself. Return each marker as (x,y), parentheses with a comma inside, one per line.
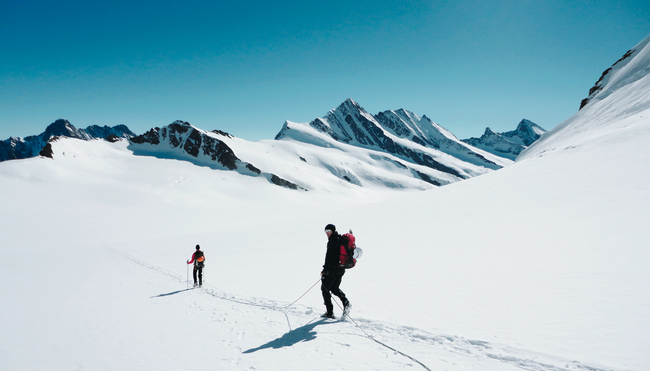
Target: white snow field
(542,265)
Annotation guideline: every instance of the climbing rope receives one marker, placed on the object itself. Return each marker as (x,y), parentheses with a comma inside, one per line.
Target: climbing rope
(303,294)
(380,343)
(360,328)
(217,295)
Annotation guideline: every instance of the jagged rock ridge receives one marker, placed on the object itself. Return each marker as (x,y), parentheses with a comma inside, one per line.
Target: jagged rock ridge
(598,86)
(403,134)
(180,140)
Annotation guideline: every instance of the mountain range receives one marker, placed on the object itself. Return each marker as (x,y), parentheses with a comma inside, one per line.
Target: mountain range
(396,149)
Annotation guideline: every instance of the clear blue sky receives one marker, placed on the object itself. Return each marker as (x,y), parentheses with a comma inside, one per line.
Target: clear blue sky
(247,66)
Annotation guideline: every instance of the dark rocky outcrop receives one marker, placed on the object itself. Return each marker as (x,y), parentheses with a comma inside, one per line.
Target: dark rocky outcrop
(598,86)
(47,151)
(188,140)
(180,140)
(150,137)
(284,183)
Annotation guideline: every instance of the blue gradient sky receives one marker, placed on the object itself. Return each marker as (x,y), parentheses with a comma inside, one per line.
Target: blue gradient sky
(247,66)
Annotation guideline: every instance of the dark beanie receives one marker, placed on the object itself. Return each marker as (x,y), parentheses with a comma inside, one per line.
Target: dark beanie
(198,247)
(331,227)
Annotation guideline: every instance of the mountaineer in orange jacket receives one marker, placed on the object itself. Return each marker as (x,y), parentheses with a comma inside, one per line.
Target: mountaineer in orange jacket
(199,262)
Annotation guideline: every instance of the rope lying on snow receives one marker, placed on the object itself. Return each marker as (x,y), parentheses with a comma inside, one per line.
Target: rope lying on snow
(380,343)
(360,328)
(301,296)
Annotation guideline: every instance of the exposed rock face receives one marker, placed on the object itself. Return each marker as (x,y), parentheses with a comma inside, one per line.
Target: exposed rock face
(603,79)
(150,137)
(189,140)
(47,151)
(180,140)
(508,144)
(31,146)
(283,183)
(113,138)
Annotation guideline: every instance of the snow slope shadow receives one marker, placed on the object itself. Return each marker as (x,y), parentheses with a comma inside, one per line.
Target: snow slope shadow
(304,333)
(171,293)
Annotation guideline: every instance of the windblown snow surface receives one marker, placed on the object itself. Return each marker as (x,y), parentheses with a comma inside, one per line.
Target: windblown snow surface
(542,265)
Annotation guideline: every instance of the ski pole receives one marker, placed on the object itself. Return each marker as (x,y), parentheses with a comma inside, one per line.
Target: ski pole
(188,276)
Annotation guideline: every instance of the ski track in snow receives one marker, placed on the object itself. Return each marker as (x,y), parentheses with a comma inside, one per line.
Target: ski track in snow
(382,333)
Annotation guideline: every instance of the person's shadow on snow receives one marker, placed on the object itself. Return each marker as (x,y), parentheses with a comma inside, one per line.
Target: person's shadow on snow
(171,293)
(304,333)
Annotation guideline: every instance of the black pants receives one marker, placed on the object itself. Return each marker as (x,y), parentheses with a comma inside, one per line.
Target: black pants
(200,273)
(330,284)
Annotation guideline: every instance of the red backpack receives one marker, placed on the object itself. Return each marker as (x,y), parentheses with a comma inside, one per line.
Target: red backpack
(346,259)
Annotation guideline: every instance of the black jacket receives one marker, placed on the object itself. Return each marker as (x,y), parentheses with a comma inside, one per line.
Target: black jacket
(333,253)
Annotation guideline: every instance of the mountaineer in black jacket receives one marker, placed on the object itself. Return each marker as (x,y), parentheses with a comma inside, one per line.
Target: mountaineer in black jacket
(332,273)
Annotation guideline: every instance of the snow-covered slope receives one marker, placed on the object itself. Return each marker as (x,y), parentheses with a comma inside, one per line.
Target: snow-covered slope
(631,67)
(541,265)
(616,107)
(508,144)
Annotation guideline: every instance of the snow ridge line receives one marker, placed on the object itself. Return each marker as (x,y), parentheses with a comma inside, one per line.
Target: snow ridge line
(454,344)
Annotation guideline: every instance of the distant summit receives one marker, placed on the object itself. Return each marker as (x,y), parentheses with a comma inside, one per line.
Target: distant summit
(18,148)
(401,133)
(508,144)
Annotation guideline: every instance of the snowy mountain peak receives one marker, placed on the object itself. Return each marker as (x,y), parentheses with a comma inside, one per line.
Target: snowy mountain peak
(61,127)
(401,133)
(489,131)
(527,125)
(180,139)
(351,103)
(31,146)
(508,144)
(526,133)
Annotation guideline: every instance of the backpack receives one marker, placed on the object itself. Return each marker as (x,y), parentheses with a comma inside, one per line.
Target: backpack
(200,259)
(348,245)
